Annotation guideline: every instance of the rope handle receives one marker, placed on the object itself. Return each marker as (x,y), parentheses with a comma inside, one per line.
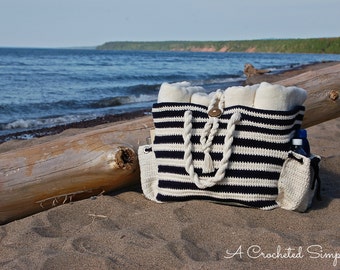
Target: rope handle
(209,131)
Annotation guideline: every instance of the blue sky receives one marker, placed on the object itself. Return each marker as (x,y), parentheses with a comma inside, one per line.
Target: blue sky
(65,23)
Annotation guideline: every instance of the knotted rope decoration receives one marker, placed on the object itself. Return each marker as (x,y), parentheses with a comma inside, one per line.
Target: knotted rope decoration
(228,140)
(209,131)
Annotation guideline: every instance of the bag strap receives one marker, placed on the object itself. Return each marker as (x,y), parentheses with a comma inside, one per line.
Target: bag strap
(209,132)
(316,180)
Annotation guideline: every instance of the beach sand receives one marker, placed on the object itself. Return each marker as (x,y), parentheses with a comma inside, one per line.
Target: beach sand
(124,230)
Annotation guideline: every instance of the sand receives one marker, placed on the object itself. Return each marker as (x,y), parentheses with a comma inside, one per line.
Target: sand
(124,230)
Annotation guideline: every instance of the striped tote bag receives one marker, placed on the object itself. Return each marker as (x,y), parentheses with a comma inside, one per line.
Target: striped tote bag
(231,155)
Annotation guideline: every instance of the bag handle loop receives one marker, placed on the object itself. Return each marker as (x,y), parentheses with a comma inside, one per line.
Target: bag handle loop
(211,128)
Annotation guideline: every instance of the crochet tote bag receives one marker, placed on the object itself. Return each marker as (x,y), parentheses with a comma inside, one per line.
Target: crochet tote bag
(230,155)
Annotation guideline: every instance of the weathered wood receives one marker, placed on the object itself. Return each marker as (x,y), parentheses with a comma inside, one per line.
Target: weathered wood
(250,70)
(43,175)
(323,87)
(37,178)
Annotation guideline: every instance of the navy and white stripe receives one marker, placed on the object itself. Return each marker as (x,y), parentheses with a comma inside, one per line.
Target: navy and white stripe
(261,143)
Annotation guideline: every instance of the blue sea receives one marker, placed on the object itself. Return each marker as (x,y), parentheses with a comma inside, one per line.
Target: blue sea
(42,88)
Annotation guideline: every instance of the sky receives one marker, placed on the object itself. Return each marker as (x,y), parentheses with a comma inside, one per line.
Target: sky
(82,23)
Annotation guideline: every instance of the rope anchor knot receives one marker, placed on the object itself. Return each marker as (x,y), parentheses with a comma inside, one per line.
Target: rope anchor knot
(209,131)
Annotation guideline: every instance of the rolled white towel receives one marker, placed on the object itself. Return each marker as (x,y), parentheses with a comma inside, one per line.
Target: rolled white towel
(212,94)
(177,92)
(174,92)
(297,97)
(277,97)
(195,89)
(240,95)
(201,98)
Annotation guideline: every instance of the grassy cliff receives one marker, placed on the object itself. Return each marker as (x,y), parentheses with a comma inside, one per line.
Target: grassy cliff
(312,45)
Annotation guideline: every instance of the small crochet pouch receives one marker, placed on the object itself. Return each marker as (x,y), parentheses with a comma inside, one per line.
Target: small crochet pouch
(299,182)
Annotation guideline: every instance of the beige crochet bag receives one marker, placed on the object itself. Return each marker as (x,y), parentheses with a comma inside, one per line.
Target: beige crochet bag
(299,182)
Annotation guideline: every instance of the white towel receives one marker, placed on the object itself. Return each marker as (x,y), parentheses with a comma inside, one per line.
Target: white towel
(177,92)
(277,97)
(201,98)
(262,96)
(240,95)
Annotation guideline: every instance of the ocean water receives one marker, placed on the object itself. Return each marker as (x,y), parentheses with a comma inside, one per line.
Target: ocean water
(49,87)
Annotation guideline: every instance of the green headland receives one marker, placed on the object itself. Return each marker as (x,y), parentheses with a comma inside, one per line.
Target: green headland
(311,45)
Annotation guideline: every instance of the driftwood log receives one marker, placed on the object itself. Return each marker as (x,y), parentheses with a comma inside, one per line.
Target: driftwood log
(44,175)
(250,70)
(323,87)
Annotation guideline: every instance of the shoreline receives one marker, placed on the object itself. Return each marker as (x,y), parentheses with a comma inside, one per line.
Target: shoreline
(107,119)
(48,131)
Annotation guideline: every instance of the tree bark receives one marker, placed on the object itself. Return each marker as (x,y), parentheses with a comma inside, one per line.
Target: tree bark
(323,87)
(69,168)
(38,178)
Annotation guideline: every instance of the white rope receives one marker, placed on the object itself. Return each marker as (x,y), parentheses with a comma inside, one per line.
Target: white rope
(218,96)
(211,128)
(228,140)
(188,145)
(209,131)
